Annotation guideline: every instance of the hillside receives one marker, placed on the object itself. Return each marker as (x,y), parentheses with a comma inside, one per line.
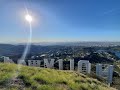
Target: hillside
(47,79)
(116,79)
(84,53)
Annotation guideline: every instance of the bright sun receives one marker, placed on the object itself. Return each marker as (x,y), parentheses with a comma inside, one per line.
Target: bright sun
(28,18)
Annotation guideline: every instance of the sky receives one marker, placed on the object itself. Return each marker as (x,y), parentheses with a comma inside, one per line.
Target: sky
(60,20)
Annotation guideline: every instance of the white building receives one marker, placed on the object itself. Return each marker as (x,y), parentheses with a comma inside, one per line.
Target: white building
(84,66)
(8,60)
(71,64)
(49,63)
(105,71)
(60,64)
(35,63)
(21,62)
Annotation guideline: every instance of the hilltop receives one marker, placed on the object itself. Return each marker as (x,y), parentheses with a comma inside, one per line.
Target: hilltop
(47,79)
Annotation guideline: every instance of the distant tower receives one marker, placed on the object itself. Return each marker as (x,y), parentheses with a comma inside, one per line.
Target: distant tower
(21,62)
(8,60)
(49,63)
(71,64)
(98,69)
(84,66)
(60,64)
(35,63)
(110,73)
(105,71)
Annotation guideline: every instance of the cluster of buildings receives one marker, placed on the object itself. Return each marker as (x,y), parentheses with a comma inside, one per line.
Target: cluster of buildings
(84,66)
(106,71)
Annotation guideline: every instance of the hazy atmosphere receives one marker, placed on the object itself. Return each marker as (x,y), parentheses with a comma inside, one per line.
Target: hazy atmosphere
(60,20)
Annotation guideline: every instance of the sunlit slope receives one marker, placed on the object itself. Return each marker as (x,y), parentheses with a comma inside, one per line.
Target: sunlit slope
(48,79)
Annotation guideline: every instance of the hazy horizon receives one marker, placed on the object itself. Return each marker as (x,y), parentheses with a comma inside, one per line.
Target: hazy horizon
(62,42)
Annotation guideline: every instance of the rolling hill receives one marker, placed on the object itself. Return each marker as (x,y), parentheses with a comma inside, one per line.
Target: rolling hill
(35,78)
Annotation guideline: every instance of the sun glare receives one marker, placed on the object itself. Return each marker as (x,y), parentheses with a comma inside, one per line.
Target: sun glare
(28,18)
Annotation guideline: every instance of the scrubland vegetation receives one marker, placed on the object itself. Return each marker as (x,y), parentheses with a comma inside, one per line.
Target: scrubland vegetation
(47,79)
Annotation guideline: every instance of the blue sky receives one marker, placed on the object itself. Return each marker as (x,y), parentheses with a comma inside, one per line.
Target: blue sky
(60,20)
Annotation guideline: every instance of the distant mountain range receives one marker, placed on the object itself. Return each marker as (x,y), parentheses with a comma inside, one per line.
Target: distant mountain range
(82,43)
(6,49)
(9,49)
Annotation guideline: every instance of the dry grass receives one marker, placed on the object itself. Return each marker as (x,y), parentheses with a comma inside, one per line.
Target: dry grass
(49,79)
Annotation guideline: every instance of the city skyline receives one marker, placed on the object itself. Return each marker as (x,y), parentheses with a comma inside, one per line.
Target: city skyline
(60,21)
